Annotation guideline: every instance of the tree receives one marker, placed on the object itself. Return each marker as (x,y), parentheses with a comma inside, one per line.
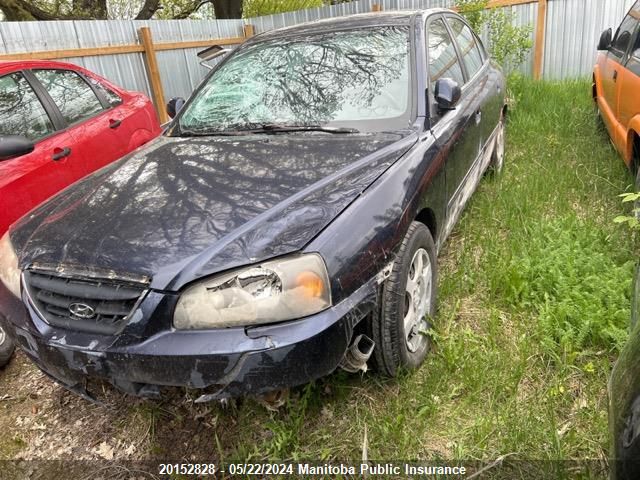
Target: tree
(24,10)
(509,44)
(257,8)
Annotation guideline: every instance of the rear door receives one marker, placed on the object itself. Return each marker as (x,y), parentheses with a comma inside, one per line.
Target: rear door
(28,180)
(90,120)
(131,116)
(456,131)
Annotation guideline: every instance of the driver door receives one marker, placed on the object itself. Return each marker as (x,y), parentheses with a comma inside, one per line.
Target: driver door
(457,131)
(611,77)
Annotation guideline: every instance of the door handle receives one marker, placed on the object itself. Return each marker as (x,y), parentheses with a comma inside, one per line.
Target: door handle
(114,123)
(615,75)
(59,153)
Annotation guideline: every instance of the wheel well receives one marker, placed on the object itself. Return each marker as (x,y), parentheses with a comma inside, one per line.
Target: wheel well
(427,217)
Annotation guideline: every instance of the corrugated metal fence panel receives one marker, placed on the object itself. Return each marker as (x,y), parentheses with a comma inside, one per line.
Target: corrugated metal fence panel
(180,70)
(523,16)
(572,32)
(24,36)
(126,70)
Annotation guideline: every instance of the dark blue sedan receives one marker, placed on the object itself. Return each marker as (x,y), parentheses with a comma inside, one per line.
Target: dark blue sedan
(287,223)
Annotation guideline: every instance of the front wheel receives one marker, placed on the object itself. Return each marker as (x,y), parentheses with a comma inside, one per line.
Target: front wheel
(7,344)
(401,330)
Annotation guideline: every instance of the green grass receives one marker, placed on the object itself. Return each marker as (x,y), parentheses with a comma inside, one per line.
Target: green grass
(11,446)
(534,304)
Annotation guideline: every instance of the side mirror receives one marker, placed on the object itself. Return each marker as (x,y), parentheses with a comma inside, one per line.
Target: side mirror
(12,146)
(447,93)
(174,105)
(605,40)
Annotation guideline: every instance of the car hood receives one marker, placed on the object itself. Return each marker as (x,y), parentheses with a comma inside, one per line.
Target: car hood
(182,208)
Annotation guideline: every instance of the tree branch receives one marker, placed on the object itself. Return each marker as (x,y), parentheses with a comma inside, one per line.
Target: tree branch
(148,9)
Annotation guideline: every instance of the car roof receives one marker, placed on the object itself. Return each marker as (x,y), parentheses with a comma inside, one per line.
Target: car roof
(9,66)
(13,65)
(385,18)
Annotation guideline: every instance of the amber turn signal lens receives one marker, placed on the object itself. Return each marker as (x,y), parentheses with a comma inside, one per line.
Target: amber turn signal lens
(311,283)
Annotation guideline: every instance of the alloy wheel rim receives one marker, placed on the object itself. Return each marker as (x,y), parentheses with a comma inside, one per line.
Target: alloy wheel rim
(3,336)
(417,300)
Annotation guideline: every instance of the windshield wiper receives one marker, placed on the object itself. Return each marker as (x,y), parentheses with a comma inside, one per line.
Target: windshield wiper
(267,128)
(283,127)
(208,133)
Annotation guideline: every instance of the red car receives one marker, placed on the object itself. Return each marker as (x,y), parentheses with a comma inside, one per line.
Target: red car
(58,123)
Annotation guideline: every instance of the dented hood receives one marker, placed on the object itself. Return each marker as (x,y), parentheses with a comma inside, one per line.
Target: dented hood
(182,208)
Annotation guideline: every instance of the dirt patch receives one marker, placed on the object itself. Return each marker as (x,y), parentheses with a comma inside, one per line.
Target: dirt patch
(42,420)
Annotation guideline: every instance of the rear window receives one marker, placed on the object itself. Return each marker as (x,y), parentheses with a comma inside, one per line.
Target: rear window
(112,98)
(21,112)
(73,96)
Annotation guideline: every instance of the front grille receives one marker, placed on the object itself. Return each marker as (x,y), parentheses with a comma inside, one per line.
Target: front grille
(89,305)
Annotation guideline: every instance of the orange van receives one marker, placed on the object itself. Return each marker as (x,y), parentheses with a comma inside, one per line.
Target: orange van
(616,87)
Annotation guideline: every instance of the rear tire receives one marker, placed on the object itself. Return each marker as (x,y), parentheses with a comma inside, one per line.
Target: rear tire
(400,330)
(497,156)
(7,343)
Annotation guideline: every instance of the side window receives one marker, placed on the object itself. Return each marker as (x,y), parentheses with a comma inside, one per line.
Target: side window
(21,112)
(466,41)
(635,50)
(73,96)
(443,60)
(623,36)
(112,98)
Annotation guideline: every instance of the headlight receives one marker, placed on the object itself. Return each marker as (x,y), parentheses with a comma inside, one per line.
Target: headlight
(274,291)
(9,271)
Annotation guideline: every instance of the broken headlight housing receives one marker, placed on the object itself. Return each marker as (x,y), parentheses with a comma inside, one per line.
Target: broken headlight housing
(9,271)
(274,291)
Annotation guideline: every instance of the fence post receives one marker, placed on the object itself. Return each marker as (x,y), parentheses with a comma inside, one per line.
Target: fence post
(154,73)
(538,55)
(376,7)
(248,30)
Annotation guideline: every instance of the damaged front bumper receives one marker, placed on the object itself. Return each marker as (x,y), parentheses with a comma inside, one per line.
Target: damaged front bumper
(223,363)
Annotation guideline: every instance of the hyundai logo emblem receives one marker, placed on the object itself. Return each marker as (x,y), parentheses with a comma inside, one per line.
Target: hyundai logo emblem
(82,310)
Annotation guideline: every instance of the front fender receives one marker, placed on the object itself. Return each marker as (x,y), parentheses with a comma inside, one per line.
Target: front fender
(366,237)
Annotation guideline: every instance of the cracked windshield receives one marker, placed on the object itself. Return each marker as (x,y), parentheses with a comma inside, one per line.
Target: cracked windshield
(357,79)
